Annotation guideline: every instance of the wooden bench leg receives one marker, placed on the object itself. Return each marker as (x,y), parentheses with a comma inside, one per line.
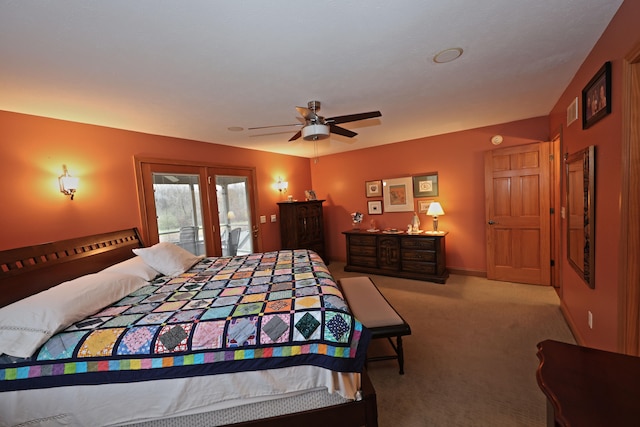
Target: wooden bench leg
(400,355)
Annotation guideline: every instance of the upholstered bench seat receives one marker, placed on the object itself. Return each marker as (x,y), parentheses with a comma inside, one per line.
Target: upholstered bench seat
(371,308)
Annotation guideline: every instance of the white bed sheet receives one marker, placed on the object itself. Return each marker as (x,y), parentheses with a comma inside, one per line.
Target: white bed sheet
(117,404)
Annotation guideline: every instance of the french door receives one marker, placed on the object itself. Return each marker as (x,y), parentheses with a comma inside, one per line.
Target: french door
(204,209)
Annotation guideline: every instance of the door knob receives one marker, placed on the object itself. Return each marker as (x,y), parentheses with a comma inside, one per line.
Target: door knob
(491,222)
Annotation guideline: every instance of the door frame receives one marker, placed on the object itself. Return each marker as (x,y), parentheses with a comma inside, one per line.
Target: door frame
(557,193)
(209,201)
(629,250)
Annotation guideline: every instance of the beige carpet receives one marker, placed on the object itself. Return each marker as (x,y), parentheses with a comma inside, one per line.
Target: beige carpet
(471,358)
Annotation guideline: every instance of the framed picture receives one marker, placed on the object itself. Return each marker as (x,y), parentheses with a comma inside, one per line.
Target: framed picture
(425,185)
(596,97)
(423,206)
(375,207)
(310,195)
(397,195)
(373,188)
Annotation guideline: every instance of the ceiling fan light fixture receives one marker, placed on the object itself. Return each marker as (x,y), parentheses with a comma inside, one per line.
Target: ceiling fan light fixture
(314,132)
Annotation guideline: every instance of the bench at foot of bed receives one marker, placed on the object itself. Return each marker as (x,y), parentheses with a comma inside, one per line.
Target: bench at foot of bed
(371,308)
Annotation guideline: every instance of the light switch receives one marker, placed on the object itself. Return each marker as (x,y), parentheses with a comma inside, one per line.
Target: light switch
(263,219)
(273,218)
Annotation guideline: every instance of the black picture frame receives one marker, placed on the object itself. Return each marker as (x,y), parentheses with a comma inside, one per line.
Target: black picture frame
(425,185)
(596,97)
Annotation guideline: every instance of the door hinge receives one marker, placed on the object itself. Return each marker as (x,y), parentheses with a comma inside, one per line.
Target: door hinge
(209,179)
(551,157)
(552,211)
(553,263)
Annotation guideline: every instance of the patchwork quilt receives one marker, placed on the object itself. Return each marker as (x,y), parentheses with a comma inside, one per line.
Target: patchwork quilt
(230,314)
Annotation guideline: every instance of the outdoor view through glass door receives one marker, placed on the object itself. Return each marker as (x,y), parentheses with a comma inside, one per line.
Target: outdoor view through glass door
(178,210)
(234,215)
(207,210)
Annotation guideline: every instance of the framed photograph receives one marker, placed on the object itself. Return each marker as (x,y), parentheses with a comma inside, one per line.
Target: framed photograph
(397,195)
(596,97)
(423,206)
(373,188)
(425,185)
(375,207)
(310,195)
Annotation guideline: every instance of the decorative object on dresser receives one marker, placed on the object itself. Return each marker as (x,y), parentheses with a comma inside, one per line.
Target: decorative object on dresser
(412,256)
(356,219)
(302,227)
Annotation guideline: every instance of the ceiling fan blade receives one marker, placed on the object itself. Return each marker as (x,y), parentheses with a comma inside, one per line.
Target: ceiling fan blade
(306,113)
(296,136)
(353,117)
(274,126)
(341,131)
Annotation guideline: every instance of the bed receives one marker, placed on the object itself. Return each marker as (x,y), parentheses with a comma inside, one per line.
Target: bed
(263,339)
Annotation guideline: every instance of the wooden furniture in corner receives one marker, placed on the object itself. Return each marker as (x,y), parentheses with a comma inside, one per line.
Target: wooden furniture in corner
(411,256)
(302,226)
(588,387)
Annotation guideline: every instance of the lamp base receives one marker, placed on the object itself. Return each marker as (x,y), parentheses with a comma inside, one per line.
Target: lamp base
(435,224)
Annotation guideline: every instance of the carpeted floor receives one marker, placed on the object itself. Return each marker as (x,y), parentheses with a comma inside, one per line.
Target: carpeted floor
(471,358)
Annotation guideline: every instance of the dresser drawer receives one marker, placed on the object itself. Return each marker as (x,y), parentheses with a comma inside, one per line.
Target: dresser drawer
(362,250)
(416,255)
(419,243)
(419,267)
(363,261)
(362,240)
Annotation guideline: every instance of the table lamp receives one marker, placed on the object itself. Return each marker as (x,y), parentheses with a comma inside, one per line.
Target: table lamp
(434,210)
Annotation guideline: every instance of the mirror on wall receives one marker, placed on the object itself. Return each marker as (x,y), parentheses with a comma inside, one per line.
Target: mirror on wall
(580,168)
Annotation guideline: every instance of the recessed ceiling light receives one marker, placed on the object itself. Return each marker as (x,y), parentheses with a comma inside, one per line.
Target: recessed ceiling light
(447,55)
(235,128)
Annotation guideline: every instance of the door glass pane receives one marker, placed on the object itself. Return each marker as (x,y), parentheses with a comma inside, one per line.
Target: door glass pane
(234,215)
(177,198)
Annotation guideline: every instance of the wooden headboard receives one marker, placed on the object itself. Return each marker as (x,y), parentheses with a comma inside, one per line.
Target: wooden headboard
(32,269)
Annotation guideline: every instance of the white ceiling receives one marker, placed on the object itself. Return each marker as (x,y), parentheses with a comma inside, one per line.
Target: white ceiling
(192,69)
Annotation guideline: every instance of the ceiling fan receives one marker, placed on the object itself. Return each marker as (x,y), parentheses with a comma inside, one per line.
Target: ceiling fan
(317,127)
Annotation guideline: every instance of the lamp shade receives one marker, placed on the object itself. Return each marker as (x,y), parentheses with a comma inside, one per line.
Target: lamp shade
(435,209)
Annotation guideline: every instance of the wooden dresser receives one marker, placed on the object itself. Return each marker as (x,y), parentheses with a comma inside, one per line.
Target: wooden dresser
(588,387)
(302,227)
(412,256)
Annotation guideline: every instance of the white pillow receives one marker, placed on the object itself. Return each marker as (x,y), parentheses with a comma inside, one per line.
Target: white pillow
(134,266)
(167,258)
(27,324)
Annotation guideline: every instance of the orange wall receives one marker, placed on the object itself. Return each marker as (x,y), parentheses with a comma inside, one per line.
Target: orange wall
(33,150)
(459,160)
(622,34)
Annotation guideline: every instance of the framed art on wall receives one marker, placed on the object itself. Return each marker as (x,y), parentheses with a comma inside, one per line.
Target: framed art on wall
(425,185)
(373,188)
(596,97)
(374,207)
(397,195)
(423,206)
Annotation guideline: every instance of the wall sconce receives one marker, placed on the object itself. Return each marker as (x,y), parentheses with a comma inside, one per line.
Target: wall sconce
(434,210)
(68,183)
(281,185)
